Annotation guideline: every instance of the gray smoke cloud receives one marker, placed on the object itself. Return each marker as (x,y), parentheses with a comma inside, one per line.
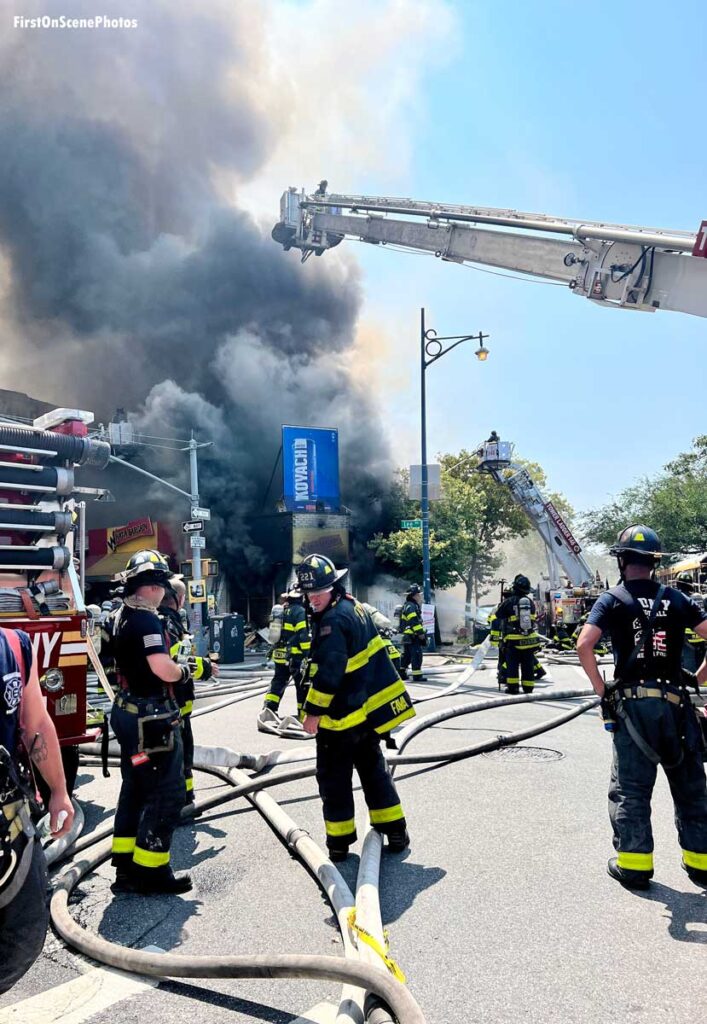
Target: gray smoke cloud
(133,281)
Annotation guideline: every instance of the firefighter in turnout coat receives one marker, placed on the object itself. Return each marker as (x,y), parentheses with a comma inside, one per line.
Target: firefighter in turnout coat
(516,618)
(355,697)
(414,636)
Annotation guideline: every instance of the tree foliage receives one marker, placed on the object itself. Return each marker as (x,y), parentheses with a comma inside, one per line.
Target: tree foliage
(473,518)
(673,503)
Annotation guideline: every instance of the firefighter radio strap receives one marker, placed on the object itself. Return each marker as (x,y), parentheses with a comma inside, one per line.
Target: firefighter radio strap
(16,828)
(627,599)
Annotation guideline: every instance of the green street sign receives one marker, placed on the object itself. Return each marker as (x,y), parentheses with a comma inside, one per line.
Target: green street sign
(411,524)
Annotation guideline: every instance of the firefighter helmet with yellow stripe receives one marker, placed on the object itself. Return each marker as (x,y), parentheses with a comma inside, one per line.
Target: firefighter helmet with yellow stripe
(637,540)
(145,568)
(317,572)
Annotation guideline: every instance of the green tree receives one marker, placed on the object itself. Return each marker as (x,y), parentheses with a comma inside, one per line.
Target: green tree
(474,517)
(673,503)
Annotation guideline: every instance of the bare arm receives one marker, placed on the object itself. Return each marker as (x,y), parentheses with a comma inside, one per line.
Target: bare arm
(39,737)
(164,668)
(586,642)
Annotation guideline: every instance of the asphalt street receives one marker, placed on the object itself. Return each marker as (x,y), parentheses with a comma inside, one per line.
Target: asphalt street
(502,910)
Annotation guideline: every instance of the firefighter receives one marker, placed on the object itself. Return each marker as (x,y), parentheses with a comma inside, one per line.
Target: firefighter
(516,617)
(414,636)
(693,648)
(648,709)
(298,643)
(145,720)
(180,649)
(354,698)
(25,726)
(280,637)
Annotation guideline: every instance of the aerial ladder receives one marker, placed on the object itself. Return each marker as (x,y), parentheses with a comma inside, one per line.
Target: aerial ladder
(616,265)
(564,553)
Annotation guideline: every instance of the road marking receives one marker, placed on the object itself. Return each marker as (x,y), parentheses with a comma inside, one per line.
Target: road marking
(322,1013)
(78,1000)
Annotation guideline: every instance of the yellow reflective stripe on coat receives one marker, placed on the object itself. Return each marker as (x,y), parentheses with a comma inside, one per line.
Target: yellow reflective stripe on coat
(189,783)
(390,693)
(338,724)
(389,726)
(375,945)
(300,625)
(635,861)
(123,844)
(364,656)
(288,627)
(385,814)
(695,860)
(150,858)
(322,700)
(187,708)
(340,828)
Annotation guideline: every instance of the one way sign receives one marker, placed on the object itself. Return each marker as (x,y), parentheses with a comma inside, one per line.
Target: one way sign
(193,526)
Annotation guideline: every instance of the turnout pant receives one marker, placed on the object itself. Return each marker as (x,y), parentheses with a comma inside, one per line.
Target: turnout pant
(520,664)
(337,756)
(188,751)
(24,923)
(301,686)
(412,656)
(151,798)
(278,685)
(633,776)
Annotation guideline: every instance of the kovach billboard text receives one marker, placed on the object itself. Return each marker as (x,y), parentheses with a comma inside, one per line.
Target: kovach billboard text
(310,461)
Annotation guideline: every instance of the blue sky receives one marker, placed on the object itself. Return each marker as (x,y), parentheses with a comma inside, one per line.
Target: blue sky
(588,111)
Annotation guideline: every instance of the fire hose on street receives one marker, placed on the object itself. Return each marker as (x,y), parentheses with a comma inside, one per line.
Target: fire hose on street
(371,991)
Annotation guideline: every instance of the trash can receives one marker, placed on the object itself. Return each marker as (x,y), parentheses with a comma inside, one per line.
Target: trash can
(226,636)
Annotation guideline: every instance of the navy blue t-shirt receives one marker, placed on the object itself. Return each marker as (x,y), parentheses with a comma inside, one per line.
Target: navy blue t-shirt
(662,652)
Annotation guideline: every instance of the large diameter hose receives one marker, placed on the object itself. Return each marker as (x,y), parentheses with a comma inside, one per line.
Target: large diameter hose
(30,557)
(168,965)
(26,520)
(82,451)
(36,479)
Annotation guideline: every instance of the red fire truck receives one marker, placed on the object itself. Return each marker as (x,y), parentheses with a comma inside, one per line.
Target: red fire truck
(41,511)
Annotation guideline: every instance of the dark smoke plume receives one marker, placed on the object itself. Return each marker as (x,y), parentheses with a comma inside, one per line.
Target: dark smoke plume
(133,283)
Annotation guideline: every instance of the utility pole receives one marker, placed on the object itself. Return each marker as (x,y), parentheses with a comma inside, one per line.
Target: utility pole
(199,612)
(197,617)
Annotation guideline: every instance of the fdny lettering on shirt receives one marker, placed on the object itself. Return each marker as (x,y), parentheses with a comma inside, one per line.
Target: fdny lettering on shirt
(658,641)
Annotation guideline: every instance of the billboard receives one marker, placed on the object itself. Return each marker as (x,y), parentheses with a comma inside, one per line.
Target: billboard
(310,463)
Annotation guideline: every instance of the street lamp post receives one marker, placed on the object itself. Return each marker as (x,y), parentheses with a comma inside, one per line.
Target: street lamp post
(432,349)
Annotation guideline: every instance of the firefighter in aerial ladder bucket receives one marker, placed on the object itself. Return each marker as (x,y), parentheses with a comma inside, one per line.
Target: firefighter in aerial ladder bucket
(146,722)
(355,698)
(648,709)
(414,636)
(515,621)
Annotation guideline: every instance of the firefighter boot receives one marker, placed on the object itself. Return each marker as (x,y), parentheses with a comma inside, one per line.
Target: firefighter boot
(398,840)
(629,879)
(696,875)
(512,688)
(337,854)
(158,881)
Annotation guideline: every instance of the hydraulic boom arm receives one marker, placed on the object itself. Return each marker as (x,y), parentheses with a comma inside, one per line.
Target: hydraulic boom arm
(495,459)
(616,265)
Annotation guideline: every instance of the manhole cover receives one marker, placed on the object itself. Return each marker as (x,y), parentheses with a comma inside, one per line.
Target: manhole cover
(516,753)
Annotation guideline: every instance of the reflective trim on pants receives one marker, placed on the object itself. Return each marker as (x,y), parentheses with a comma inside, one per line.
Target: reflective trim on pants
(635,861)
(695,860)
(340,828)
(150,858)
(383,814)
